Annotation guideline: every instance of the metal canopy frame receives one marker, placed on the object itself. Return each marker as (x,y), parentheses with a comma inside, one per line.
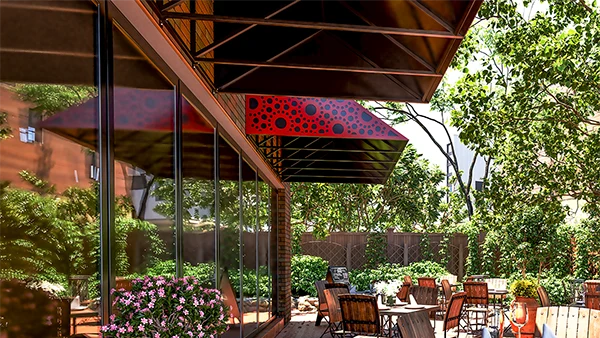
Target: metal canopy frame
(396,50)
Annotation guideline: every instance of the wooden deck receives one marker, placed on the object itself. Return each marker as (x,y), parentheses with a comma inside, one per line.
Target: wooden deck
(302,325)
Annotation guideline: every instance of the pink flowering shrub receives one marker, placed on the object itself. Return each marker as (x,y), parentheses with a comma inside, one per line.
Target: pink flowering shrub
(159,307)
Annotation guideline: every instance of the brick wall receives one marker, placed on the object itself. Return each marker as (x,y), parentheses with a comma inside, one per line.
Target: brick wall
(281,222)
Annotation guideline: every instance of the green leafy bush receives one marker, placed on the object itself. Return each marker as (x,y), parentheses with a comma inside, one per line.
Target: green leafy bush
(555,287)
(362,278)
(306,270)
(524,288)
(249,282)
(203,272)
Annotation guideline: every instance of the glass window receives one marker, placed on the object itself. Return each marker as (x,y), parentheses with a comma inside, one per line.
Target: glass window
(264,251)
(49,220)
(250,267)
(229,233)
(144,134)
(198,196)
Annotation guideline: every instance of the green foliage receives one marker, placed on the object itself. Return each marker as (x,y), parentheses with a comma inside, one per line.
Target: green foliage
(587,249)
(524,288)
(51,98)
(376,249)
(297,230)
(306,270)
(410,197)
(45,236)
(249,282)
(533,240)
(363,278)
(203,272)
(556,289)
(527,98)
(5,129)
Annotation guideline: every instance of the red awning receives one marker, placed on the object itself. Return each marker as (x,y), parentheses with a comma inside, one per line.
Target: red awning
(144,134)
(323,140)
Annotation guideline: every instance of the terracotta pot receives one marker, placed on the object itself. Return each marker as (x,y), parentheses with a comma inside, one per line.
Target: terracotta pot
(528,330)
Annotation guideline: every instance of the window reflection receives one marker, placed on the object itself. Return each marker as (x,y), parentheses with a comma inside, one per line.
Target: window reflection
(229,233)
(49,221)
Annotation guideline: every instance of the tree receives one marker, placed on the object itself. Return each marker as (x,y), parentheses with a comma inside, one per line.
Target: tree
(409,200)
(5,130)
(530,104)
(397,113)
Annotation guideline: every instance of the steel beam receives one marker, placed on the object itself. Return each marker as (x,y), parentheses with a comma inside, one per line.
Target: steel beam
(287,50)
(286,65)
(232,36)
(315,25)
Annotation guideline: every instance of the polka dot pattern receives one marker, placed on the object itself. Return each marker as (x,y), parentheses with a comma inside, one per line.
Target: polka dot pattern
(296,116)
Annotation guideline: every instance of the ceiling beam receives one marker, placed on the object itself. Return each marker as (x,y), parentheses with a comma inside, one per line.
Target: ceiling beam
(217,44)
(375,65)
(338,160)
(432,14)
(287,65)
(391,38)
(287,50)
(335,169)
(338,150)
(170,5)
(315,25)
(373,177)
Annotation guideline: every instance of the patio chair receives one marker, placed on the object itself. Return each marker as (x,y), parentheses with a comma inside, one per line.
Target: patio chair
(454,312)
(404,292)
(408,279)
(322,309)
(360,315)
(544,299)
(424,295)
(415,325)
(592,294)
(446,294)
(321,286)
(333,308)
(477,302)
(427,282)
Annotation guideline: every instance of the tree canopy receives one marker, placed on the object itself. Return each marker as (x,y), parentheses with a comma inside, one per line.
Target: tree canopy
(410,199)
(527,97)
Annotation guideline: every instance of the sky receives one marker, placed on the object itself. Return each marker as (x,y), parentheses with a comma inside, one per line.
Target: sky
(421,141)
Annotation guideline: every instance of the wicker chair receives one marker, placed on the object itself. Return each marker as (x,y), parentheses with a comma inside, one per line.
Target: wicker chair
(592,294)
(360,315)
(544,299)
(454,313)
(477,301)
(427,282)
(403,292)
(333,307)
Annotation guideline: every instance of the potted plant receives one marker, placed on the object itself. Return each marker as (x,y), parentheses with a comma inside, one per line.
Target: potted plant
(525,291)
(167,307)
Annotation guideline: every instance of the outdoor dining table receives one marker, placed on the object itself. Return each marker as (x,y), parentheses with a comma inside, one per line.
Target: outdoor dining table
(387,313)
(498,296)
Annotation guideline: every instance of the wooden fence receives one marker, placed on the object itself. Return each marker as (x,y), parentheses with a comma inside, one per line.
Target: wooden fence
(348,249)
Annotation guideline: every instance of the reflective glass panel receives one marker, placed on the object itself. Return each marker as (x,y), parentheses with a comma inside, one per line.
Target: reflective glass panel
(49,218)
